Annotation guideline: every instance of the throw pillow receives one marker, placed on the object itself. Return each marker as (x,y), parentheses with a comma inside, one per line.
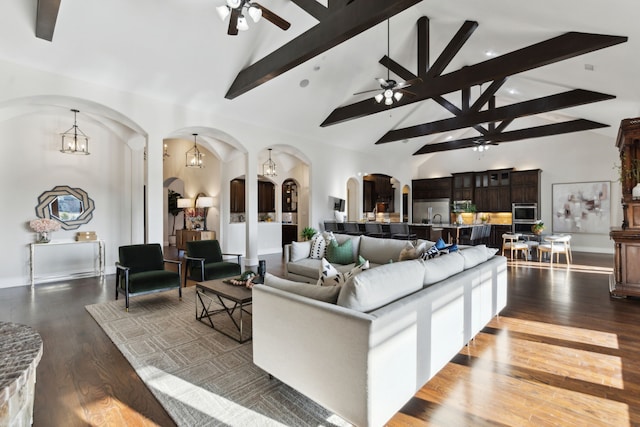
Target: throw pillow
(330,276)
(300,250)
(318,247)
(408,252)
(361,260)
(340,253)
(432,252)
(440,244)
(327,294)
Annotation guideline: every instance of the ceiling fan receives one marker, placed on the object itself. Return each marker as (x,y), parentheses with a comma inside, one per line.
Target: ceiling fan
(238,9)
(391,89)
(483,144)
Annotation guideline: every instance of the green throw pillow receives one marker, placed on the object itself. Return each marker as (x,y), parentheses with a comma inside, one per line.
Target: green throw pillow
(340,254)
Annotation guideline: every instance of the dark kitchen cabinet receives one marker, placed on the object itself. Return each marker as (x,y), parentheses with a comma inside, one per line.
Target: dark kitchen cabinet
(463,186)
(493,191)
(289,233)
(289,196)
(266,196)
(434,188)
(237,196)
(525,186)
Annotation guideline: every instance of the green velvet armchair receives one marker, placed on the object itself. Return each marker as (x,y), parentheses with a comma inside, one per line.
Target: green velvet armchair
(141,271)
(204,262)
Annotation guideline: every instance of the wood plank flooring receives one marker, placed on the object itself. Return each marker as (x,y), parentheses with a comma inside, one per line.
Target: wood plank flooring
(561,353)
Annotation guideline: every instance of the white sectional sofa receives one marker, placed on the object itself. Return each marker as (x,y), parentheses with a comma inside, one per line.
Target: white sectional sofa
(299,266)
(364,349)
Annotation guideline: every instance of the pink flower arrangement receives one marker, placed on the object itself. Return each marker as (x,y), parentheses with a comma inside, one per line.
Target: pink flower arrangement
(42,225)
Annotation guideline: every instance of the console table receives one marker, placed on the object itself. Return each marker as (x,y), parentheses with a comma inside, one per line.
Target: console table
(98,269)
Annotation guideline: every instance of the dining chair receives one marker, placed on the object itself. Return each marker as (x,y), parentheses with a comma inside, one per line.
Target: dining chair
(512,243)
(556,245)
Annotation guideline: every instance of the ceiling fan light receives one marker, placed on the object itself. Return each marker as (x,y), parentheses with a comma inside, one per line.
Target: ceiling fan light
(388,93)
(242,23)
(388,101)
(223,11)
(233,3)
(255,13)
(379,98)
(397,96)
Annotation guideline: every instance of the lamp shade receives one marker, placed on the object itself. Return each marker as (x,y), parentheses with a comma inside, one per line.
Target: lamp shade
(204,202)
(185,203)
(255,13)
(223,11)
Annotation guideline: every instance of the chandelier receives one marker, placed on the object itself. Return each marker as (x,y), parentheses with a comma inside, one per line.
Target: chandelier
(269,167)
(481,145)
(194,157)
(74,141)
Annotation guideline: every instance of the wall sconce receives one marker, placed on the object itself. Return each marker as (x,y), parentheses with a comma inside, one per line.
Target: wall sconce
(205,203)
(184,204)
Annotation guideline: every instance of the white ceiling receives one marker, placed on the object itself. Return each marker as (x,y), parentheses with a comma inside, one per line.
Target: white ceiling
(178,51)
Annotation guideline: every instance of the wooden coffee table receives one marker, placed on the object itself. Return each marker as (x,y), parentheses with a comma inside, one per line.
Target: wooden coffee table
(208,292)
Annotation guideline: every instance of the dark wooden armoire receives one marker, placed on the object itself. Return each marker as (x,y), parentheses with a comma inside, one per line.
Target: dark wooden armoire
(626,277)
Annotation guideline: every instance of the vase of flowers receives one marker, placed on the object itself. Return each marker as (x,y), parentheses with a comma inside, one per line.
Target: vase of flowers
(44,227)
(538,227)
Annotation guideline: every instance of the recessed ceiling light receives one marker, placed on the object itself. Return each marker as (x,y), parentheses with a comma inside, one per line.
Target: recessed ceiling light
(404,141)
(316,68)
(304,83)
(490,53)
(589,67)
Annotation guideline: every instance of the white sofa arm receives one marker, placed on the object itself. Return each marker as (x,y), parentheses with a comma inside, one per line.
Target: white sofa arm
(287,253)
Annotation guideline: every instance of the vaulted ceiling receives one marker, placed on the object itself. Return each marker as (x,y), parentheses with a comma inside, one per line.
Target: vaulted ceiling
(566,66)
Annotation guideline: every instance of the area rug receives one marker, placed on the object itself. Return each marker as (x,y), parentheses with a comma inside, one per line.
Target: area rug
(200,376)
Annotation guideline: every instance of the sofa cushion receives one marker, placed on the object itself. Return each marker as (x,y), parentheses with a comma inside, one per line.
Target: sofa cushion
(322,293)
(318,247)
(340,253)
(331,276)
(379,286)
(380,251)
(474,255)
(412,252)
(442,267)
(300,250)
(305,267)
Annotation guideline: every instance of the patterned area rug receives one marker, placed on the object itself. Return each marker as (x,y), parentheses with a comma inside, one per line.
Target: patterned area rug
(200,376)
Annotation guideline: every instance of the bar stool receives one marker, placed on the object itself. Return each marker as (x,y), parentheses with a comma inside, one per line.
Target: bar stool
(510,242)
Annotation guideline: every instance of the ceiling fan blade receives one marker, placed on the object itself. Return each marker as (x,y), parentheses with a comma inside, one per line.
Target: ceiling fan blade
(233,22)
(367,91)
(407,83)
(405,92)
(273,18)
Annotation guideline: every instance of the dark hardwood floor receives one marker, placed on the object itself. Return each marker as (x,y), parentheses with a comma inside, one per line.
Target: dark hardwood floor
(561,353)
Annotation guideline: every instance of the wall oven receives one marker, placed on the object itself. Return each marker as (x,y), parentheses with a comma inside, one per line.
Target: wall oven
(524,212)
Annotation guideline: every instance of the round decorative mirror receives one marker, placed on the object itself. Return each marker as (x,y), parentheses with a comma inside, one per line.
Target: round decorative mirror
(72,207)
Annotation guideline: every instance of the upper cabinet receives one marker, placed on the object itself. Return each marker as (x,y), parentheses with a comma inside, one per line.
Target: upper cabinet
(433,188)
(377,190)
(463,186)
(525,186)
(493,190)
(237,196)
(266,197)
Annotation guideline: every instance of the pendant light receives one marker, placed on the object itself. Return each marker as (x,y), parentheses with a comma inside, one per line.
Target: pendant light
(74,141)
(194,158)
(269,167)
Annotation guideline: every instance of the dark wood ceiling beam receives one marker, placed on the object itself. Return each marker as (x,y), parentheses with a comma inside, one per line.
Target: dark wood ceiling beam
(455,111)
(46,17)
(516,135)
(313,8)
(547,52)
(423,46)
(333,29)
(396,68)
(488,94)
(452,49)
(568,99)
(502,126)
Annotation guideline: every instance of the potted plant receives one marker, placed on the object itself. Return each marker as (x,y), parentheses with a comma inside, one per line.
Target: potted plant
(308,233)
(174,210)
(538,227)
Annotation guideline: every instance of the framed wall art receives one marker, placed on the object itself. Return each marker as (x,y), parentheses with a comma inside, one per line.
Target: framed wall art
(582,207)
